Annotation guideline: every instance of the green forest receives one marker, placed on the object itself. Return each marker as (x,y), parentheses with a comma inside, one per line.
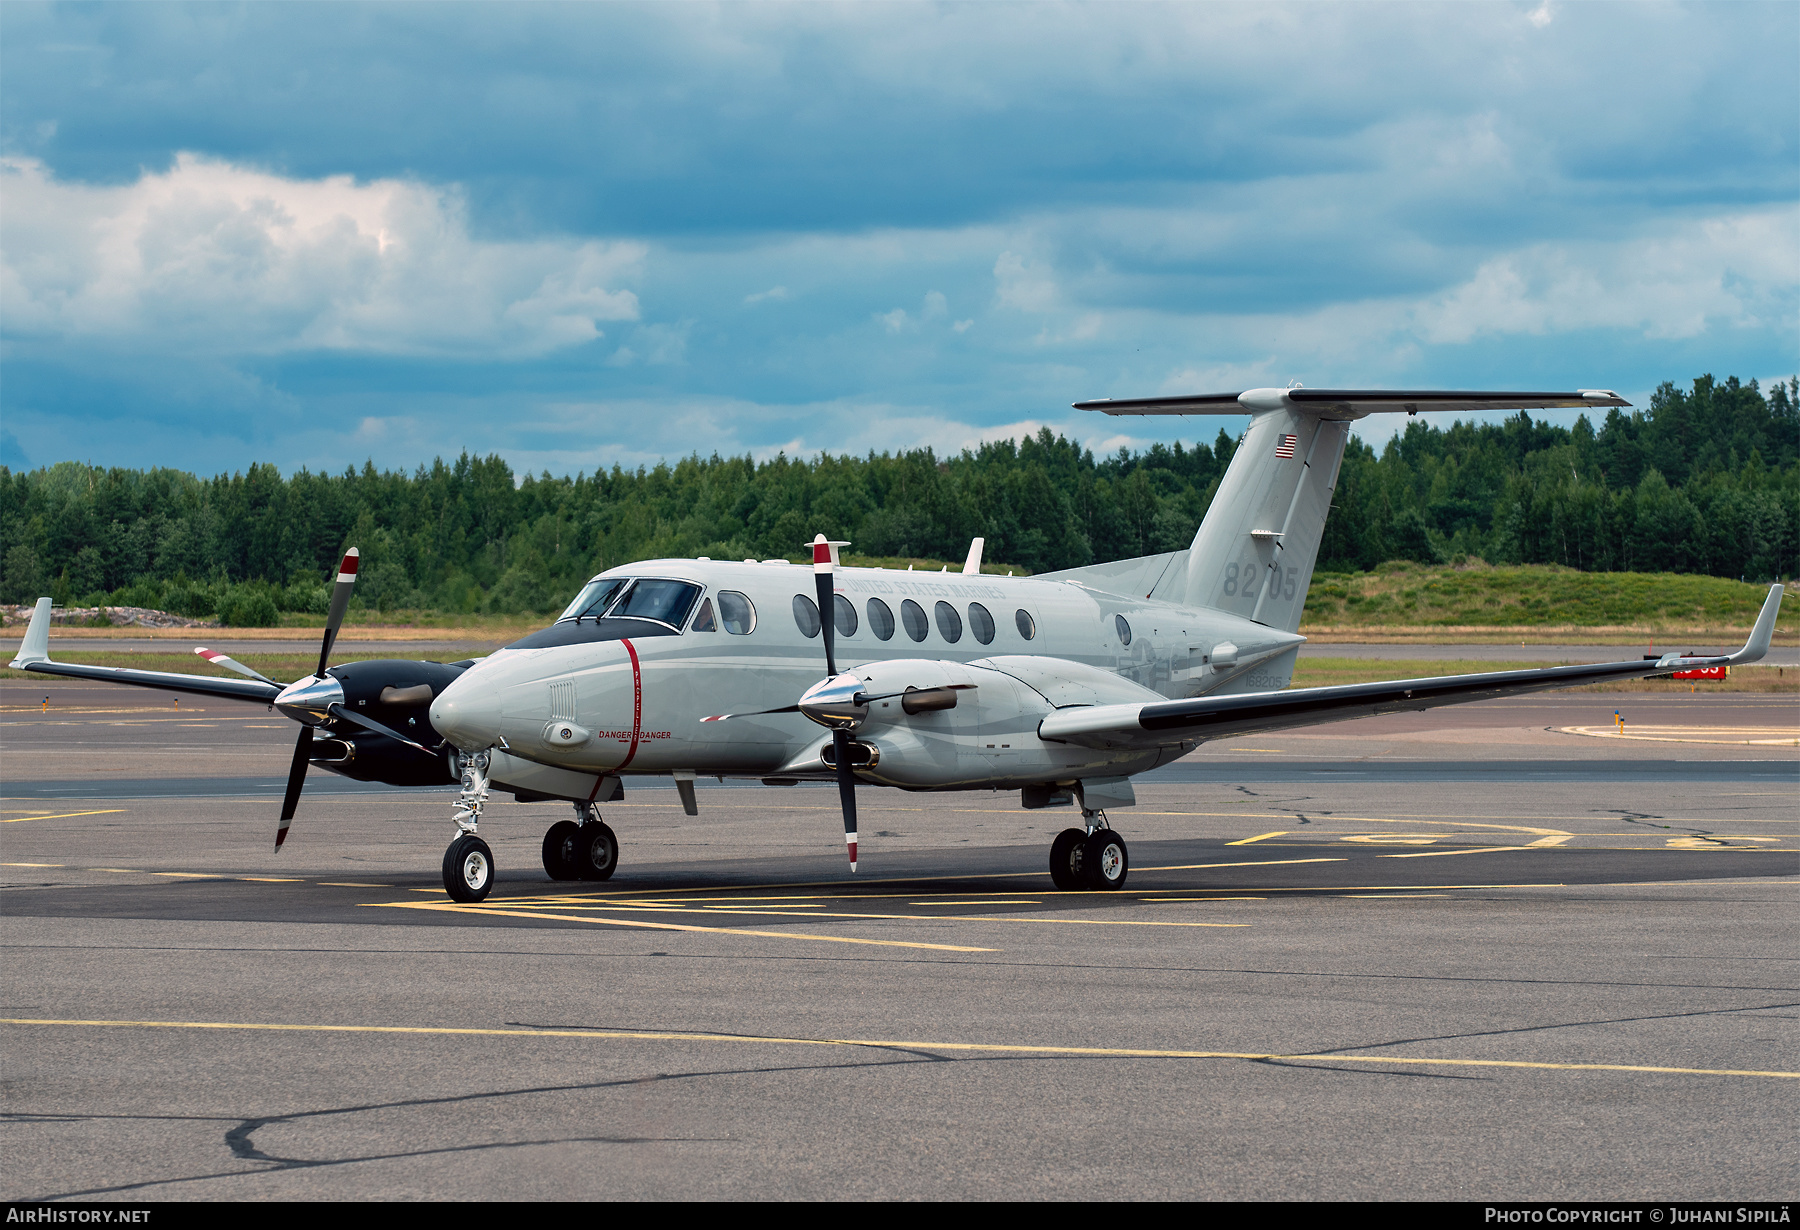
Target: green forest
(1704,480)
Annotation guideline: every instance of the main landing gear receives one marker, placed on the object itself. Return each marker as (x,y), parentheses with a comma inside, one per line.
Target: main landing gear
(1092,859)
(581,849)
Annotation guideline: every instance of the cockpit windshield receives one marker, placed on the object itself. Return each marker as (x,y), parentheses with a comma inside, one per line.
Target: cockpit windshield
(592,601)
(635,598)
(664,601)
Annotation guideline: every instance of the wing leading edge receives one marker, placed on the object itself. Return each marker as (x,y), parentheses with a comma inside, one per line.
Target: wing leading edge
(1166,723)
(34,655)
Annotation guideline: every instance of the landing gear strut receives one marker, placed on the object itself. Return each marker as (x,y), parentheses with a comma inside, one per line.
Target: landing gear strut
(581,849)
(1093,858)
(468,863)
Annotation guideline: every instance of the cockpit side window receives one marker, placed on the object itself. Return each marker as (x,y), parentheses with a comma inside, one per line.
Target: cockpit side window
(735,610)
(595,597)
(704,622)
(666,602)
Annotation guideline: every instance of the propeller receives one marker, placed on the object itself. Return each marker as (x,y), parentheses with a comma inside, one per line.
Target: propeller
(231,664)
(824,566)
(340,602)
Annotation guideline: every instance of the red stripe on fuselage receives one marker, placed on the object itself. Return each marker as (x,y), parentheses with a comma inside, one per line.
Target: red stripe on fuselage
(637,701)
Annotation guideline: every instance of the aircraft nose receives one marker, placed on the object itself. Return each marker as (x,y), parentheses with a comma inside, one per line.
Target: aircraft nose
(467,716)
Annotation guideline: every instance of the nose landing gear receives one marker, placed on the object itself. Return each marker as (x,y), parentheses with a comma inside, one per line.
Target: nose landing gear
(1093,859)
(468,863)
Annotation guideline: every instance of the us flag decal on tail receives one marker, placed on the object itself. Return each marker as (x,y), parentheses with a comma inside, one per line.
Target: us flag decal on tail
(1286,447)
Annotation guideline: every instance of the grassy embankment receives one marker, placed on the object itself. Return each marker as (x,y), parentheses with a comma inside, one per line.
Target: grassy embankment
(1479,604)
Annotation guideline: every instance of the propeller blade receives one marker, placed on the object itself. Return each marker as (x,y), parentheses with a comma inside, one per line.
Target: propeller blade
(230,664)
(350,715)
(340,602)
(822,583)
(726,717)
(824,567)
(840,742)
(296,779)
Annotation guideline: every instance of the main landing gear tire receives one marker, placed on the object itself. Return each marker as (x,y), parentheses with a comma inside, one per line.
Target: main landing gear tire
(562,850)
(596,852)
(468,869)
(1104,860)
(1067,858)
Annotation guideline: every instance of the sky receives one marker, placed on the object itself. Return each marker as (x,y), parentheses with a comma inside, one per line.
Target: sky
(580,235)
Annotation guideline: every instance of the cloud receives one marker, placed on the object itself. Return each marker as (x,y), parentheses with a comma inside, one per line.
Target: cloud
(776,293)
(220,258)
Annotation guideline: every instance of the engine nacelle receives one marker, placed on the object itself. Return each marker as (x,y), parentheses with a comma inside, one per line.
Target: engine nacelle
(976,724)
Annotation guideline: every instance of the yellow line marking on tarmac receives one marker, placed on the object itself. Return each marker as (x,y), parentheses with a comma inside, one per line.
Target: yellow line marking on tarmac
(1190,900)
(993,902)
(1276,862)
(33,864)
(527,907)
(187,875)
(993,1048)
(349,884)
(1552,841)
(1394,896)
(452,907)
(1447,853)
(1259,837)
(64,815)
(270,879)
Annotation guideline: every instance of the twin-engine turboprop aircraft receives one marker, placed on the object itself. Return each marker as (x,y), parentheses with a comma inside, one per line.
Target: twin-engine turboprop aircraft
(1061,686)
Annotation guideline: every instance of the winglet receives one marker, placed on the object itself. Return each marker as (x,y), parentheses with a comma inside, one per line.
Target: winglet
(1760,635)
(36,645)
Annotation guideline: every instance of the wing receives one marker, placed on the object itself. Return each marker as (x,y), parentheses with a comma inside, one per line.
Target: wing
(1166,723)
(34,655)
(1354,403)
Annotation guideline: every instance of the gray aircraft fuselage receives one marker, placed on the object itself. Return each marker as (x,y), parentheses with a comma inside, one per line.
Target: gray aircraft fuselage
(631,697)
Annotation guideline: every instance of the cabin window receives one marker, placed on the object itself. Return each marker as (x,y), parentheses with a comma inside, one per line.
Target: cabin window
(843,615)
(806,615)
(912,615)
(1124,629)
(595,597)
(704,621)
(881,620)
(1027,625)
(949,622)
(981,623)
(666,602)
(736,612)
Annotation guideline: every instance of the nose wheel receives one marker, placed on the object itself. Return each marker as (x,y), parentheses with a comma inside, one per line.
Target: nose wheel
(468,869)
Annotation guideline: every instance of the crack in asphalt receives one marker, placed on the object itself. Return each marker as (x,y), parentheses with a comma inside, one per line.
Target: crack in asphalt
(1527,1029)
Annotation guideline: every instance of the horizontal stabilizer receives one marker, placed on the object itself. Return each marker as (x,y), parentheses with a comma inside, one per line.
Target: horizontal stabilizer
(1353,403)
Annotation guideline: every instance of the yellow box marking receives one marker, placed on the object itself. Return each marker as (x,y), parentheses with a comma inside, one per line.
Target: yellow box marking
(994,1048)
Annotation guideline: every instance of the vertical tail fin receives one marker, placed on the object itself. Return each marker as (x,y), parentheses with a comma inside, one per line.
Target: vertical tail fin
(1254,552)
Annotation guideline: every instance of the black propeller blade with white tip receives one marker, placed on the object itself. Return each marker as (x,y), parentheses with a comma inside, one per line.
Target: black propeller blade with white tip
(340,602)
(823,577)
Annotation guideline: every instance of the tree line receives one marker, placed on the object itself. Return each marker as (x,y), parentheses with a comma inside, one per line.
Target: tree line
(1704,480)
